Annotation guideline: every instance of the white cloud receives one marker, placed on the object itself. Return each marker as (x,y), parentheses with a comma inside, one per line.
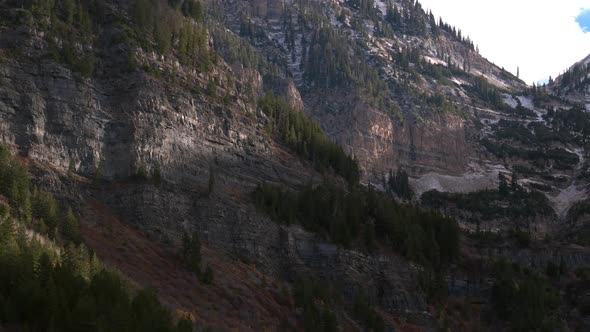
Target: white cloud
(539,36)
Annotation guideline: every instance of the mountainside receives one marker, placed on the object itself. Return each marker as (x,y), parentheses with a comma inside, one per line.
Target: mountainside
(400,88)
(574,83)
(346,165)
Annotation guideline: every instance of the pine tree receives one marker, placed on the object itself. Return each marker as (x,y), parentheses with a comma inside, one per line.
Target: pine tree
(70,228)
(144,16)
(207,276)
(562,267)
(211,88)
(514,183)
(503,185)
(163,35)
(191,252)
(69,7)
(99,175)
(211,184)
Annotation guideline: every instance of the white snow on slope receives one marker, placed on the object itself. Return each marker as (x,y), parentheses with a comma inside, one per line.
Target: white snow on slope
(382,6)
(508,100)
(566,198)
(434,61)
(527,102)
(572,194)
(478,178)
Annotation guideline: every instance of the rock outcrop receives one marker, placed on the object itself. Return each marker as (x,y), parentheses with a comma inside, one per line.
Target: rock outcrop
(118,130)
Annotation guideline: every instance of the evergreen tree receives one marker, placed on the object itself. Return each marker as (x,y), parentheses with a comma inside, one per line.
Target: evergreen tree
(191,252)
(207,276)
(562,267)
(503,185)
(69,8)
(163,35)
(514,186)
(211,184)
(70,228)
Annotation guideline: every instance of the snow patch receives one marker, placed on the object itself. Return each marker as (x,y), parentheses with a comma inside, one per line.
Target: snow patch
(434,61)
(526,102)
(382,6)
(477,178)
(508,100)
(459,82)
(566,198)
(492,79)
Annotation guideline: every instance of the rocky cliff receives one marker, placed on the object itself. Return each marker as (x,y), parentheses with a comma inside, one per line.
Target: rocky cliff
(173,144)
(108,137)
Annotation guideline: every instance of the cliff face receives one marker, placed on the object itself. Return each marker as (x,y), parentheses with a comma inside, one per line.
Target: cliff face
(382,143)
(171,149)
(405,131)
(574,83)
(122,124)
(118,129)
(228,225)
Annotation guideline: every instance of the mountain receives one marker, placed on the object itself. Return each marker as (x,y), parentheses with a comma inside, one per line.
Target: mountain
(573,83)
(290,165)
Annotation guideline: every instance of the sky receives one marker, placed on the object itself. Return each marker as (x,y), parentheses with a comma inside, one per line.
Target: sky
(542,37)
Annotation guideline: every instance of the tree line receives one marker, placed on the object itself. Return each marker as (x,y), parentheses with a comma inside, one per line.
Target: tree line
(174,26)
(60,285)
(169,27)
(364,217)
(525,299)
(307,138)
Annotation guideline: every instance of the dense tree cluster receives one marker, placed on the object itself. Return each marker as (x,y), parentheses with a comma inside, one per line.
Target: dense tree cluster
(407,56)
(576,78)
(315,299)
(411,60)
(46,287)
(191,256)
(174,26)
(190,8)
(398,183)
(513,130)
(331,61)
(71,30)
(365,7)
(37,208)
(567,121)
(486,92)
(235,50)
(363,215)
(364,312)
(440,102)
(456,33)
(15,184)
(409,19)
(307,138)
(510,200)
(578,210)
(526,300)
(561,158)
(72,292)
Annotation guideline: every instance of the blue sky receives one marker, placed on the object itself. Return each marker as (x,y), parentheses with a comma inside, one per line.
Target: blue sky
(542,37)
(583,19)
